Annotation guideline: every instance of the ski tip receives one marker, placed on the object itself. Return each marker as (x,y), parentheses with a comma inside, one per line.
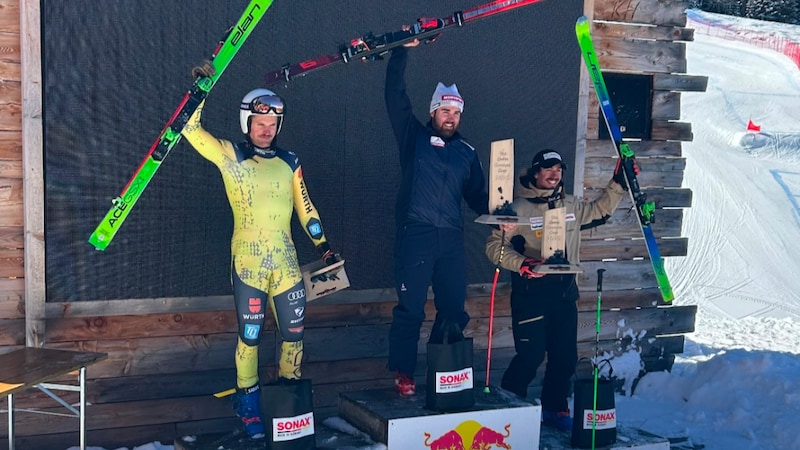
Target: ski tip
(581,20)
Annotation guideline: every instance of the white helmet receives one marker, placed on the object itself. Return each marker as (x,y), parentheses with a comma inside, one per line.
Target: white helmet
(260,101)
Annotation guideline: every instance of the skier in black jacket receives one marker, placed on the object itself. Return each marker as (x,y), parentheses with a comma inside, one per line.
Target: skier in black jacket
(439,168)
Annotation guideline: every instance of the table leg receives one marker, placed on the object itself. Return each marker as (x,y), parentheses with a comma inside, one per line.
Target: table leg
(10,421)
(83,408)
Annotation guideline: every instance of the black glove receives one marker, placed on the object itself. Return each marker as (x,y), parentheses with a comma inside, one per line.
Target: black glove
(206,69)
(526,270)
(619,173)
(327,255)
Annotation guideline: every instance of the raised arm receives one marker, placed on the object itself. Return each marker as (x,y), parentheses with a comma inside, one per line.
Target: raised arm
(398,105)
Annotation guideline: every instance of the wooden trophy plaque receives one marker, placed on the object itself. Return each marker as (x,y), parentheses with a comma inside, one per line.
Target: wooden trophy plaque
(501,185)
(554,239)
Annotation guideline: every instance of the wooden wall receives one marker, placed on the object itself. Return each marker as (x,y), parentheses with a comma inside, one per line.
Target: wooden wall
(167,356)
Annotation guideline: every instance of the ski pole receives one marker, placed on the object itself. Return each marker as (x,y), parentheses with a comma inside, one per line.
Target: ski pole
(596,351)
(491,310)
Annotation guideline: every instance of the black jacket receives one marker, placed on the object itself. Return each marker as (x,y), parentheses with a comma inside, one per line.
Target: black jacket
(434,177)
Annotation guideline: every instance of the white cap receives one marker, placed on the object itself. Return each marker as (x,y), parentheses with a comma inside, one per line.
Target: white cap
(446,96)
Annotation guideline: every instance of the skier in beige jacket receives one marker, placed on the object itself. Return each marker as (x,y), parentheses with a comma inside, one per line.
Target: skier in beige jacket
(543,307)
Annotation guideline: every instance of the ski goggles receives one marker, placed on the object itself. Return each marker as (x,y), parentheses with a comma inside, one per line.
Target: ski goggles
(265,104)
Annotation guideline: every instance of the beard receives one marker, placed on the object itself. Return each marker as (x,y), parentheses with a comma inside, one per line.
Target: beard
(445,132)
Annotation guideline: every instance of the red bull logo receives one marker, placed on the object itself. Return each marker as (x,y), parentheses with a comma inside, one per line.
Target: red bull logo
(470,435)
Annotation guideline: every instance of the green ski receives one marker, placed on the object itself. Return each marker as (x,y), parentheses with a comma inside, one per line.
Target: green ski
(645,209)
(171,134)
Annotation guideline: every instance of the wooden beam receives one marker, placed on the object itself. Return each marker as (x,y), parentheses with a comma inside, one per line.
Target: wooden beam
(9,16)
(170,354)
(11,145)
(624,223)
(680,82)
(599,148)
(661,12)
(671,131)
(647,32)
(666,105)
(33,169)
(655,172)
(648,57)
(597,250)
(11,262)
(12,332)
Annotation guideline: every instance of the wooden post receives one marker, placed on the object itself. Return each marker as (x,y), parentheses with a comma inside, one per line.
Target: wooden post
(32,171)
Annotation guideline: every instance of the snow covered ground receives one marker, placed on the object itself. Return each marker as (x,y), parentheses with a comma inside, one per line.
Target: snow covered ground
(737,386)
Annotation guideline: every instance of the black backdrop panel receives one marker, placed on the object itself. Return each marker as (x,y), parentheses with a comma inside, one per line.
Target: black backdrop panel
(115,70)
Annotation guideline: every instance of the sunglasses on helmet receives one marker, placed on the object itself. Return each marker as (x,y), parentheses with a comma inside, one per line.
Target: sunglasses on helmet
(264,104)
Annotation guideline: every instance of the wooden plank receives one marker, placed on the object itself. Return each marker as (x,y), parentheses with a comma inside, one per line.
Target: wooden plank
(623,249)
(9,16)
(652,321)
(11,263)
(128,357)
(618,275)
(599,148)
(666,105)
(671,131)
(643,293)
(144,326)
(645,297)
(124,415)
(32,160)
(11,237)
(680,82)
(10,169)
(12,293)
(664,198)
(10,116)
(10,92)
(10,145)
(627,31)
(11,192)
(655,172)
(12,332)
(27,367)
(624,223)
(661,12)
(9,49)
(651,57)
(114,438)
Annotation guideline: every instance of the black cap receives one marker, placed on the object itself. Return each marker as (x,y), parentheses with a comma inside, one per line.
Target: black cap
(547,158)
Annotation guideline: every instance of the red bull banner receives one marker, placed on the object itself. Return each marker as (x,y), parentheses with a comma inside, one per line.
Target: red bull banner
(492,429)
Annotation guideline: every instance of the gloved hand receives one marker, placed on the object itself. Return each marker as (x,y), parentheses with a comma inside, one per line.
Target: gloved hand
(619,173)
(526,270)
(206,69)
(327,255)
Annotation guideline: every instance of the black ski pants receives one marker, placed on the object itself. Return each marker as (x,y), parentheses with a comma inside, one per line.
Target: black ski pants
(544,320)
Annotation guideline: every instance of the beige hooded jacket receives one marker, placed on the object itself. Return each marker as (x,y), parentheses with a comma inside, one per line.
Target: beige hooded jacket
(578,212)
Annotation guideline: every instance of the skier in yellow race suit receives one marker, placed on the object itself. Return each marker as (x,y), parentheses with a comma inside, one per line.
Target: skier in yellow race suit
(264,184)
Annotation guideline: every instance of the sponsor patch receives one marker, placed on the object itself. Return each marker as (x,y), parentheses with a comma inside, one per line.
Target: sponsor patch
(291,428)
(251,331)
(454,381)
(254,305)
(314,228)
(436,141)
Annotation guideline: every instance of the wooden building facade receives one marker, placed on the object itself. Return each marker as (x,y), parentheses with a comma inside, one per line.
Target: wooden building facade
(167,357)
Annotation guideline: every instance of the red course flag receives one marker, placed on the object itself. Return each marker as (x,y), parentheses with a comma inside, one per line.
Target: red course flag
(753,127)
